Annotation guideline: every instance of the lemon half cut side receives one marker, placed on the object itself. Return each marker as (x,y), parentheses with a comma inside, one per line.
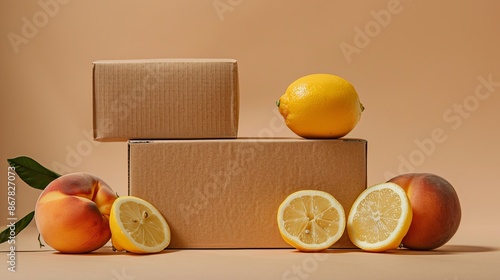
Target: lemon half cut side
(137,226)
(311,220)
(379,218)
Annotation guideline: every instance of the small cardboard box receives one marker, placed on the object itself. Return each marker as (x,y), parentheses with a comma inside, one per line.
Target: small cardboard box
(165,99)
(226,193)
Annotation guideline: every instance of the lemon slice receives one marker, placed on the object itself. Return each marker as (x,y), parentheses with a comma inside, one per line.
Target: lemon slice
(379,218)
(137,226)
(311,220)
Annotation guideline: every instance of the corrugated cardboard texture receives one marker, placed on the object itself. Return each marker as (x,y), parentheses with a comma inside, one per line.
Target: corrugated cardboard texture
(226,193)
(165,99)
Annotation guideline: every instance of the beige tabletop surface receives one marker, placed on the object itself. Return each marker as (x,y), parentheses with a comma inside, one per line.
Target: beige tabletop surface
(473,253)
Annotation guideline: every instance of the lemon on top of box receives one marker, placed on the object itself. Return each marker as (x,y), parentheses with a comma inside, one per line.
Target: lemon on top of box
(218,193)
(165,99)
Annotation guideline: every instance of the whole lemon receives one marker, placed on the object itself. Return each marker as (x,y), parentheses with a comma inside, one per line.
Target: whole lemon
(320,106)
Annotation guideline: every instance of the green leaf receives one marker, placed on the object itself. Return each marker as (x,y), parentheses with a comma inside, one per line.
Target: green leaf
(17,227)
(32,173)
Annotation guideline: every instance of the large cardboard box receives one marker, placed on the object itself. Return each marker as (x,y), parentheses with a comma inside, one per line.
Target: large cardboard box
(165,99)
(226,193)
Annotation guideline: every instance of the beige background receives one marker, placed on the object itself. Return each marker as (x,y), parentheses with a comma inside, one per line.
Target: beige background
(413,72)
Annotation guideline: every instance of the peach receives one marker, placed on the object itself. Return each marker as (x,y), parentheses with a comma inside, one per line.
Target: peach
(436,210)
(72,213)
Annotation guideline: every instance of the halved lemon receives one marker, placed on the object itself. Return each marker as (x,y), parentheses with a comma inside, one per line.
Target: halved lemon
(379,218)
(311,220)
(137,226)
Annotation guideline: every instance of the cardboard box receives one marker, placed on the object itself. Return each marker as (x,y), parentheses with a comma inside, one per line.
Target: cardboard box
(165,99)
(226,193)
